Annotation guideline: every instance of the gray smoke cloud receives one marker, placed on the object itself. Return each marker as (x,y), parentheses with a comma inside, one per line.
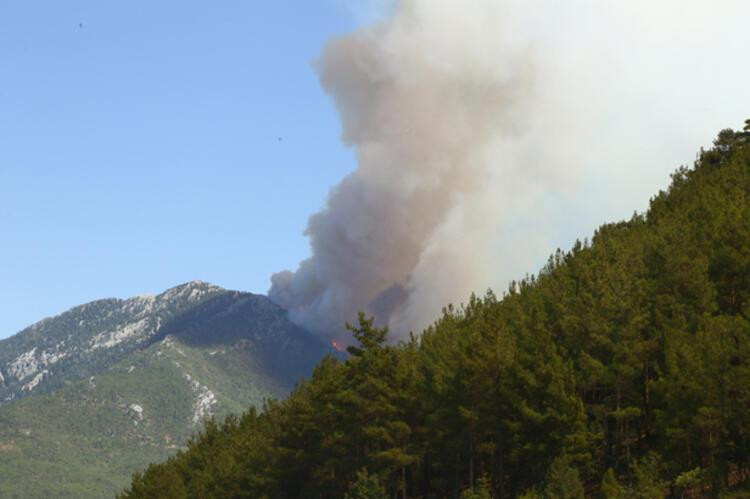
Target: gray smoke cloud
(473,124)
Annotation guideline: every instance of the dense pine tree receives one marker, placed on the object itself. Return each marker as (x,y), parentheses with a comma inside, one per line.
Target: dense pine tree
(621,370)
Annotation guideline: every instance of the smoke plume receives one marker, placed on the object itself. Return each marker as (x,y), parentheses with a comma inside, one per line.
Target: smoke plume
(473,123)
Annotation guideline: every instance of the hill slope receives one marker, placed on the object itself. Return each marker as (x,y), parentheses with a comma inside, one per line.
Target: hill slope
(95,393)
(621,370)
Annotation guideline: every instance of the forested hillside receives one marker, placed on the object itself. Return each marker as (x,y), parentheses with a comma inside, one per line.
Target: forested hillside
(621,370)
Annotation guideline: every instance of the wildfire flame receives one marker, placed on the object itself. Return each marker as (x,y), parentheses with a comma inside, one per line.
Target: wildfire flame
(336,346)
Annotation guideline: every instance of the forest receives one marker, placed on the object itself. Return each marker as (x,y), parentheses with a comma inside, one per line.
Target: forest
(620,370)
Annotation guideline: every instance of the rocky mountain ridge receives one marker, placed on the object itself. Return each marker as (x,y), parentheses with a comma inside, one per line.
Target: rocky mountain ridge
(88,337)
(91,395)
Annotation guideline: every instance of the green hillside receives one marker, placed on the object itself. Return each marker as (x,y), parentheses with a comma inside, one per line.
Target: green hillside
(621,370)
(99,414)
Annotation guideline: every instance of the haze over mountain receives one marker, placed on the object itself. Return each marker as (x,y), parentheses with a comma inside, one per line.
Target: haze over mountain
(93,394)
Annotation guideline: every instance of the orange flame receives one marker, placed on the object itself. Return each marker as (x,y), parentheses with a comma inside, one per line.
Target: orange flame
(337,346)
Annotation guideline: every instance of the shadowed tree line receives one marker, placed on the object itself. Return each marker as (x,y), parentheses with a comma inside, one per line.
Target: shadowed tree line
(621,370)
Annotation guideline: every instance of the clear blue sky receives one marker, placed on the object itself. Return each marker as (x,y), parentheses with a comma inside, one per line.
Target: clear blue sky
(144,144)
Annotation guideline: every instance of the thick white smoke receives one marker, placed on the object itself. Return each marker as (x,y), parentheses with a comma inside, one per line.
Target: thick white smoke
(473,122)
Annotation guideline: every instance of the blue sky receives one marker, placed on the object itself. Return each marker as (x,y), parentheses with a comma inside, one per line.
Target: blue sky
(144,144)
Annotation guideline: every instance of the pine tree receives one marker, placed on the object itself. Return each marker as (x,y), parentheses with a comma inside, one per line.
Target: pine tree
(366,486)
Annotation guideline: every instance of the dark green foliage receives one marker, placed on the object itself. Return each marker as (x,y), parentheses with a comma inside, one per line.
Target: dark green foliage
(563,481)
(367,335)
(622,370)
(610,487)
(366,487)
(648,481)
(480,491)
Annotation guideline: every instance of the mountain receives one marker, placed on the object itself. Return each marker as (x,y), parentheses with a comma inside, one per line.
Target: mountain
(620,370)
(93,394)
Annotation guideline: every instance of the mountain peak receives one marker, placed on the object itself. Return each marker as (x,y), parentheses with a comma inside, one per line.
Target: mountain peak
(140,374)
(34,358)
(195,284)
(191,291)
